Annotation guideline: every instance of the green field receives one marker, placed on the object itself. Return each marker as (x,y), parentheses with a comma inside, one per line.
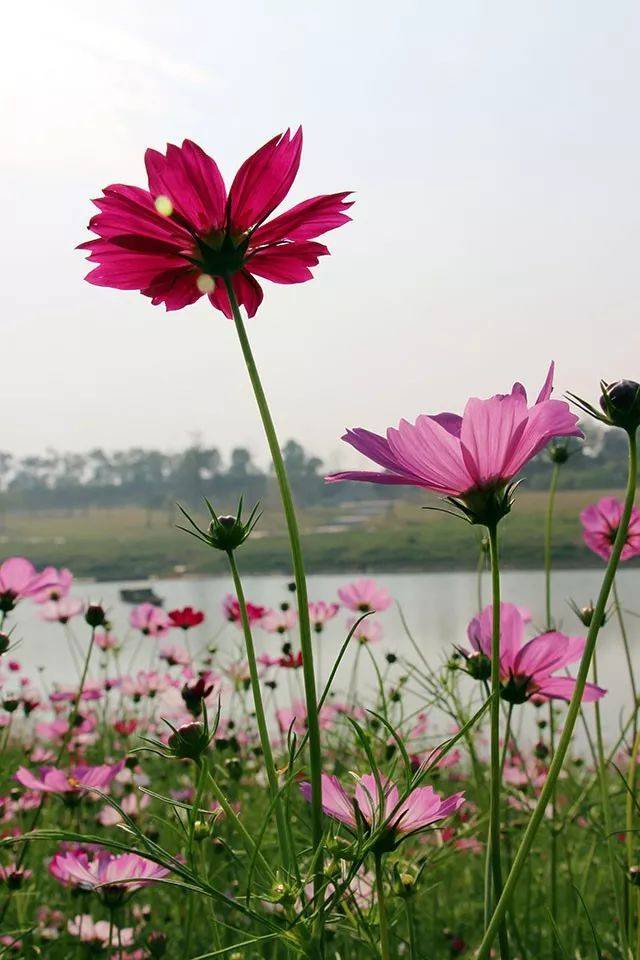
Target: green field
(128,543)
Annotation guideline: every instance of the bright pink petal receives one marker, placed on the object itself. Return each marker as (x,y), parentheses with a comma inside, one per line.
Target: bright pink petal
(192,182)
(247,290)
(263,181)
(287,262)
(561,688)
(306,220)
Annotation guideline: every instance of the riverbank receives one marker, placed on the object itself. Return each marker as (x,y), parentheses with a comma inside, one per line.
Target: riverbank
(130,543)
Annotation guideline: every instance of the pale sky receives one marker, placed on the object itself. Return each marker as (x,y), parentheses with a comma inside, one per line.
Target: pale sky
(495,154)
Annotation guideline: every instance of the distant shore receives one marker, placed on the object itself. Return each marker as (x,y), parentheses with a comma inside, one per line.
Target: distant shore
(133,544)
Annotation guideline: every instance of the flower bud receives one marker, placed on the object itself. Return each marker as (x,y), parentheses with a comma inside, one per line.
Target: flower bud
(193,694)
(620,401)
(283,893)
(201,831)
(157,943)
(189,741)
(224,533)
(95,615)
(4,643)
(10,704)
(479,666)
(541,750)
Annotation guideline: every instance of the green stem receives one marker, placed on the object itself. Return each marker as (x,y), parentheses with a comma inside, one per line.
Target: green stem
(495,758)
(631,792)
(313,726)
(572,714)
(265,742)
(382,909)
(627,653)
(553,486)
(411,924)
(553,851)
(606,809)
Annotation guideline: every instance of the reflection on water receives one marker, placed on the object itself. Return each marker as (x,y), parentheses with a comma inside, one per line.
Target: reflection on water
(437,607)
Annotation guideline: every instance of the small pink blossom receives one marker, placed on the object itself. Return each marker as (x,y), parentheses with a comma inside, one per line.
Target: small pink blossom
(97,932)
(527,669)
(364,596)
(279,621)
(321,612)
(152,621)
(231,611)
(600,522)
(57,584)
(105,872)
(61,611)
(19,579)
(368,631)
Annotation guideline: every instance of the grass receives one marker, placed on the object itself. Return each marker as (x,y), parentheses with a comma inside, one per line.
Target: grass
(132,543)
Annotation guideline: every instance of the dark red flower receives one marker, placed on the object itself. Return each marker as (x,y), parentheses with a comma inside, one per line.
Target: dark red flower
(186,618)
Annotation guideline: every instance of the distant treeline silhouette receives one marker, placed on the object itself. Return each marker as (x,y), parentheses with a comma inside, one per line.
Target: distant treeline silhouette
(153,479)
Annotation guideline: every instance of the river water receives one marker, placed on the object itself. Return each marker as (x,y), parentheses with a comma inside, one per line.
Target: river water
(437,608)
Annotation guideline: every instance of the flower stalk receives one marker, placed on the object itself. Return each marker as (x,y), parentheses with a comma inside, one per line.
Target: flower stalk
(261,720)
(573,712)
(315,757)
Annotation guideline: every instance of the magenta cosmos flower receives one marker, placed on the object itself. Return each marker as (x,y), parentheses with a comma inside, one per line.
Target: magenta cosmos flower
(231,611)
(364,595)
(111,875)
(76,780)
(600,522)
(422,808)
(179,239)
(526,669)
(471,458)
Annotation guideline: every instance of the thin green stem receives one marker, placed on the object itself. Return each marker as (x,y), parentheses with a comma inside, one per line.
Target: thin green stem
(382,909)
(557,762)
(495,759)
(313,725)
(627,653)
(553,839)
(629,838)
(553,486)
(263,730)
(411,926)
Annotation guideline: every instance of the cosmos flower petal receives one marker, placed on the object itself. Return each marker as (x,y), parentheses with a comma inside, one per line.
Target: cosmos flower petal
(306,220)
(263,181)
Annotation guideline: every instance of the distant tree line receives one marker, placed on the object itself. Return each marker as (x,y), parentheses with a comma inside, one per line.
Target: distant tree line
(153,479)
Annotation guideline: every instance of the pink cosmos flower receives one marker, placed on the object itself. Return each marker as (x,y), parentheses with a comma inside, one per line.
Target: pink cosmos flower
(527,669)
(99,933)
(152,621)
(107,641)
(177,240)
(78,779)
(364,595)
(231,611)
(279,621)
(19,579)
(112,875)
(58,584)
(600,523)
(369,631)
(421,808)
(321,612)
(477,453)
(175,654)
(132,805)
(61,611)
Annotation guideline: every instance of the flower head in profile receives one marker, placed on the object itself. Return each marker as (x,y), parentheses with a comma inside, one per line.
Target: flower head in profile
(57,584)
(79,779)
(231,610)
(367,631)
(150,620)
(112,876)
(364,595)
(469,459)
(600,522)
(179,239)
(378,807)
(279,621)
(19,579)
(62,610)
(320,613)
(527,670)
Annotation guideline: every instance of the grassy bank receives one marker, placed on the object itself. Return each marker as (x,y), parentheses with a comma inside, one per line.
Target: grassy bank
(127,543)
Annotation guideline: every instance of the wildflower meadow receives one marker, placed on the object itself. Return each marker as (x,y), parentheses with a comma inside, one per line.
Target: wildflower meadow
(174,801)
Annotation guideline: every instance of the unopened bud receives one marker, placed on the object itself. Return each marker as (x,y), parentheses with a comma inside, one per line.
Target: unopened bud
(95,615)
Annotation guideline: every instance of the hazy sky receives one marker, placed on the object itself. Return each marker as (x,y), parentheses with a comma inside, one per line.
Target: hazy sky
(495,152)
